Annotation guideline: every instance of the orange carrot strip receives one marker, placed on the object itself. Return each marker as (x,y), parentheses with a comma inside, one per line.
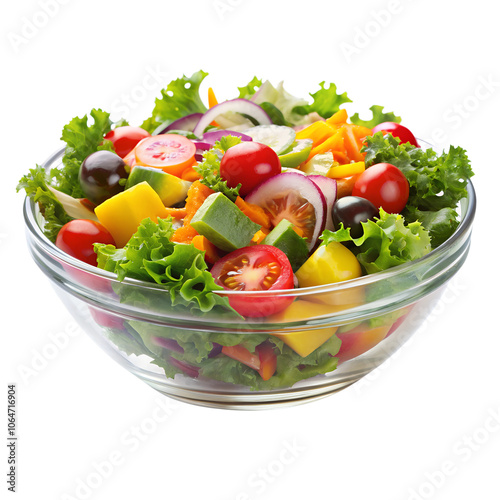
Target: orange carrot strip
(197,194)
(254,212)
(205,245)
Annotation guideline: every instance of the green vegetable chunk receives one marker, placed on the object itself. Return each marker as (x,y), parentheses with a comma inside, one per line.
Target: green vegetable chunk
(223,223)
(289,242)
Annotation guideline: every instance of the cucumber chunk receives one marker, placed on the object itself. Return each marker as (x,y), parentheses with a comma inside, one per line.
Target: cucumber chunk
(223,223)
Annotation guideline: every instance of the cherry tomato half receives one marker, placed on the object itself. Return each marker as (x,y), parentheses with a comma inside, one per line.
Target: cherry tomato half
(397,130)
(172,153)
(255,268)
(249,163)
(385,186)
(125,139)
(78,236)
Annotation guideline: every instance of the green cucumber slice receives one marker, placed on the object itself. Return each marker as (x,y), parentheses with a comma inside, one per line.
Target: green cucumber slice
(277,137)
(299,152)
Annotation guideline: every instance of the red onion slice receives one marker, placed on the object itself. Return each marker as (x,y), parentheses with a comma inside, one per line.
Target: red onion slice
(242,106)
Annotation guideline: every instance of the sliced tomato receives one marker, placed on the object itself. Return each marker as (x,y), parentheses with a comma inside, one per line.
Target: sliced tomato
(172,153)
(243,355)
(255,268)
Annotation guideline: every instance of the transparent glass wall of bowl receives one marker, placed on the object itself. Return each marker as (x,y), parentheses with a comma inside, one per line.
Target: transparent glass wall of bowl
(366,344)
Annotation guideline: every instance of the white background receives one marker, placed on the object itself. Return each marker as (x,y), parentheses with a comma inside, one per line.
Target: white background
(422,426)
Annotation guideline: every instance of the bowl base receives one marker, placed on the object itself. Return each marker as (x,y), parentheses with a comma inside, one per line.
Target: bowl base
(258,400)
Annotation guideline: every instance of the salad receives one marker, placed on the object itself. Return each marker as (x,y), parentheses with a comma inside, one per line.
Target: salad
(265,191)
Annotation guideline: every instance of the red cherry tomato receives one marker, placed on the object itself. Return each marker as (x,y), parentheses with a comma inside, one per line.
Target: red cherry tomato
(385,186)
(249,163)
(78,236)
(397,130)
(255,268)
(125,139)
(172,153)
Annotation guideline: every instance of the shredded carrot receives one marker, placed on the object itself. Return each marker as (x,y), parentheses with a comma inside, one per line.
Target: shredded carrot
(176,213)
(197,194)
(205,245)
(254,212)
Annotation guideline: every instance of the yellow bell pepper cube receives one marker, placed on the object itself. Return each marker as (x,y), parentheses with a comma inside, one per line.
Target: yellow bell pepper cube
(347,170)
(338,118)
(317,132)
(333,143)
(122,214)
(304,342)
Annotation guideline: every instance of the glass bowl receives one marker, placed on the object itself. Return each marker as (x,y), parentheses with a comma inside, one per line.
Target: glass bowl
(329,338)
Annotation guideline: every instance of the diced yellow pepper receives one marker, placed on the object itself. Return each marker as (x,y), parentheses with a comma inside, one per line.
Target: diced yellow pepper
(304,342)
(122,214)
(346,170)
(333,143)
(317,132)
(338,118)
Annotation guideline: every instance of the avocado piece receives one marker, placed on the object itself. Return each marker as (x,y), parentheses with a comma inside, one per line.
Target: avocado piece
(289,242)
(170,188)
(223,223)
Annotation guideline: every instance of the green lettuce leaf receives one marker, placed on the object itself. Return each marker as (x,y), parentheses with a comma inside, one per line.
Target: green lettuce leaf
(35,185)
(151,256)
(378,117)
(386,242)
(249,90)
(437,182)
(326,101)
(181,97)
(209,168)
(81,140)
(290,367)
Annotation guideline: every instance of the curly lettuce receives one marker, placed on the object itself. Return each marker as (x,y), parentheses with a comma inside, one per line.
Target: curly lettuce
(81,140)
(180,98)
(386,242)
(209,168)
(151,256)
(326,101)
(437,182)
(54,215)
(378,116)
